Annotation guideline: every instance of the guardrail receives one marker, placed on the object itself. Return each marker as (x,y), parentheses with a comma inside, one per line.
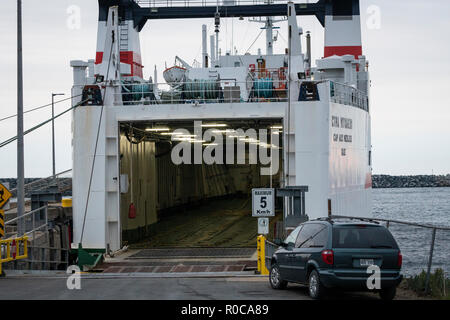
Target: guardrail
(57,257)
(270,249)
(32,216)
(264,89)
(50,256)
(205,91)
(13,249)
(44,183)
(203,3)
(345,94)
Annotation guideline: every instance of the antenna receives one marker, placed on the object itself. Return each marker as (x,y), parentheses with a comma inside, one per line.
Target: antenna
(268,26)
(216,30)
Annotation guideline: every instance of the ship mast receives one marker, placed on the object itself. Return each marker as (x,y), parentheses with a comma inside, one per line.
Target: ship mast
(269,36)
(268,26)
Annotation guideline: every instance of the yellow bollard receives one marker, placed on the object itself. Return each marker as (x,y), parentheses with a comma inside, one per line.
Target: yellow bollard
(66,203)
(261,248)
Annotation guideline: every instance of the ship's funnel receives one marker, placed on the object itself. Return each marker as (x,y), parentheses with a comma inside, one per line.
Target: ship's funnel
(342,28)
(128,36)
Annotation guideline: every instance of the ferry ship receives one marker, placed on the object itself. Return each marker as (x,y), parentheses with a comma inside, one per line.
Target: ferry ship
(127,128)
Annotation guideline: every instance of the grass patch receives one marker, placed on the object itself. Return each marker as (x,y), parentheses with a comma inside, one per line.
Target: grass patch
(439,287)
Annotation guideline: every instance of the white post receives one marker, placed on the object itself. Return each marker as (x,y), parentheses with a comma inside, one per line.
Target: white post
(213,50)
(204,47)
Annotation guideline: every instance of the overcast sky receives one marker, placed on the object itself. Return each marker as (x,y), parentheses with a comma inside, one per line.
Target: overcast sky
(407,46)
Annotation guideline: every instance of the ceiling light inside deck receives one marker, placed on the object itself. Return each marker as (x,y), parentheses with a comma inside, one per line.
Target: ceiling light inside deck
(213,125)
(157,129)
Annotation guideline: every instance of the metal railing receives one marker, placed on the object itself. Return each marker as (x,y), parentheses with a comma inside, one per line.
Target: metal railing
(203,3)
(33,216)
(12,250)
(39,221)
(52,263)
(345,94)
(205,91)
(44,183)
(269,251)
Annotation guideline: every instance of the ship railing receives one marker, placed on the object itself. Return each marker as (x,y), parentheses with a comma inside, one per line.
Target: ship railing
(203,3)
(348,95)
(205,91)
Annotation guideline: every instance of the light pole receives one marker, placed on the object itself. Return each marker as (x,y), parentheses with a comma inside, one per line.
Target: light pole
(53,131)
(20,157)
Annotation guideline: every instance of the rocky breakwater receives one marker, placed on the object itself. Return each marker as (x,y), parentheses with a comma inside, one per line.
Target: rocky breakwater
(419,181)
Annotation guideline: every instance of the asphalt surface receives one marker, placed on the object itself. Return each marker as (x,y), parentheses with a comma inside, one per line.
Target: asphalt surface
(229,288)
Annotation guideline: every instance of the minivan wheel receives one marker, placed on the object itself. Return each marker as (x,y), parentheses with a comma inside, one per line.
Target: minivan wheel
(388,293)
(275,278)
(316,289)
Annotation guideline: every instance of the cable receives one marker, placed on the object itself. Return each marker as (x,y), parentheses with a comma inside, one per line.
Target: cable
(6,142)
(37,108)
(254,41)
(244,38)
(96,140)
(283,38)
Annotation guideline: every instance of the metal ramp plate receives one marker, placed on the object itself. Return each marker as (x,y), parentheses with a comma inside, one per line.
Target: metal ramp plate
(193,253)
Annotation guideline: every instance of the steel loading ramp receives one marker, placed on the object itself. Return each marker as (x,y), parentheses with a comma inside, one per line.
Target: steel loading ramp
(216,223)
(218,236)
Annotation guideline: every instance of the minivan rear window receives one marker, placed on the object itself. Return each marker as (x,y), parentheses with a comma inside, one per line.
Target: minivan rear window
(363,237)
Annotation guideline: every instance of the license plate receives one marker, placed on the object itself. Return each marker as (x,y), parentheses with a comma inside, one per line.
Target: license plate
(366,262)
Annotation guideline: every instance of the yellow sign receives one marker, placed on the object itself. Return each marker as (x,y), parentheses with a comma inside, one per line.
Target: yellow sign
(4,195)
(2,223)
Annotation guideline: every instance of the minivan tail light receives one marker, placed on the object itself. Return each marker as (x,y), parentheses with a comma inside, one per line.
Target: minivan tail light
(399,259)
(328,256)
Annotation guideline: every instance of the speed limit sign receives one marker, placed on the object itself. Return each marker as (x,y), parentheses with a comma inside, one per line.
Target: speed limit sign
(263,202)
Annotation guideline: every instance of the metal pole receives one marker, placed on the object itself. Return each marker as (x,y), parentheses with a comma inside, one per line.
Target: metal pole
(269,36)
(20,149)
(430,260)
(53,135)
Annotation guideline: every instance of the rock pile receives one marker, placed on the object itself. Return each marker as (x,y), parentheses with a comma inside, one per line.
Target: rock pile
(420,181)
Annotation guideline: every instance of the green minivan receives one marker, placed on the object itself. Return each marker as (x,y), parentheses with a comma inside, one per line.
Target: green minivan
(331,254)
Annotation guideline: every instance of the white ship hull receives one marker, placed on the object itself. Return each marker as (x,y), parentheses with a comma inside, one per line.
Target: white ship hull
(323,112)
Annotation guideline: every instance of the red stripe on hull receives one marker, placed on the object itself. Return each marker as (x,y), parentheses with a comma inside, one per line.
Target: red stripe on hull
(343,50)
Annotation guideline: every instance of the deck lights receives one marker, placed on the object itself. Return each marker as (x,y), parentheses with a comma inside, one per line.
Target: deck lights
(157,129)
(212,125)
